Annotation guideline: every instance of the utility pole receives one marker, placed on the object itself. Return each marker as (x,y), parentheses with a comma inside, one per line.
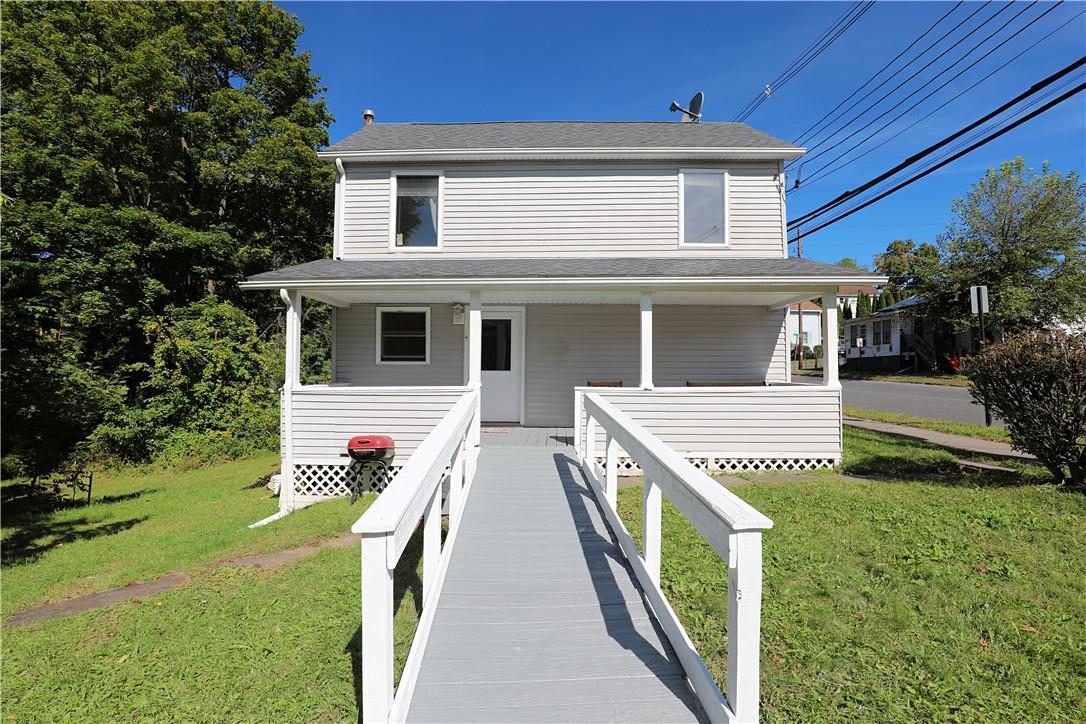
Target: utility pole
(799,342)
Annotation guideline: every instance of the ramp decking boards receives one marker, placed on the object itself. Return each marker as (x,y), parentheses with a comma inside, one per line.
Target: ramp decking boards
(540,618)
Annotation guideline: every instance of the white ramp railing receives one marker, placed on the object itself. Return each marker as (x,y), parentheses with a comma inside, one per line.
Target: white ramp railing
(731,526)
(450,449)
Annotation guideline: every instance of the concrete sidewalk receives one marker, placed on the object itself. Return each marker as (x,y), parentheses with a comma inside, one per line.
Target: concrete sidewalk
(943,439)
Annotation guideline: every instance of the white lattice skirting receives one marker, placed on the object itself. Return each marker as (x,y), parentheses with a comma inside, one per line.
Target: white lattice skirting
(738,465)
(334,481)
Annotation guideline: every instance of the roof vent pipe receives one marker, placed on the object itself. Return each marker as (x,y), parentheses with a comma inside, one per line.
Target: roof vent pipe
(367,117)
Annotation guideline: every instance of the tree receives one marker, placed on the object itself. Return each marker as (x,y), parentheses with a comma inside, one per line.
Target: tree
(904,262)
(863,305)
(1036,382)
(1021,233)
(849,263)
(847,311)
(154,155)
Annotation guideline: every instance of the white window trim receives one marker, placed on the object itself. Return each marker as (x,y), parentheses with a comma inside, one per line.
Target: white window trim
(377,345)
(727,207)
(440,173)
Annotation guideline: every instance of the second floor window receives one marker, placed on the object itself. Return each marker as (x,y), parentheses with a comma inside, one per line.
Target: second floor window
(417,211)
(704,212)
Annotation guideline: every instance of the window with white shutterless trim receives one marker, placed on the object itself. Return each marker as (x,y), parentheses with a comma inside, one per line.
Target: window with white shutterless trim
(415,217)
(703,207)
(403,335)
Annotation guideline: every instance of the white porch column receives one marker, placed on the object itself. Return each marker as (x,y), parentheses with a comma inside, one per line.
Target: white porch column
(646,340)
(475,357)
(829,338)
(291,381)
(475,338)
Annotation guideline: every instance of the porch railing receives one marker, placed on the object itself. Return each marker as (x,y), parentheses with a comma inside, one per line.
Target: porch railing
(449,450)
(731,526)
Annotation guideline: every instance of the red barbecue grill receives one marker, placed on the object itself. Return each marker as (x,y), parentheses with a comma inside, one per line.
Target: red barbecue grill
(372,454)
(371,448)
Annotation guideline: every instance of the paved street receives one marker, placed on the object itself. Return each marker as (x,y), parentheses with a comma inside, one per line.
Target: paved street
(939,402)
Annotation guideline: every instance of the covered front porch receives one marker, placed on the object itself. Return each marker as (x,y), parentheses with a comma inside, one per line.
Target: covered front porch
(705,369)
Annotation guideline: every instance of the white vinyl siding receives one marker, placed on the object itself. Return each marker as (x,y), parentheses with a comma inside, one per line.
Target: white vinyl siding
(797,421)
(356,349)
(558,210)
(325,417)
(567,345)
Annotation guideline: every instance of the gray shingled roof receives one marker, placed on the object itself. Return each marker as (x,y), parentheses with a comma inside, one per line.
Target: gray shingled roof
(329,270)
(557,134)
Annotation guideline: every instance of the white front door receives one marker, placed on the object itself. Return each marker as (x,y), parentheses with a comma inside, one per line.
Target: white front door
(502,367)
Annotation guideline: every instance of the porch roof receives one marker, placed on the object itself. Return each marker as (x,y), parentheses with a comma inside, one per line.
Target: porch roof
(340,273)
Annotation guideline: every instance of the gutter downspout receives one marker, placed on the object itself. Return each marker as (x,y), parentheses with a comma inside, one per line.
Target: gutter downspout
(286,476)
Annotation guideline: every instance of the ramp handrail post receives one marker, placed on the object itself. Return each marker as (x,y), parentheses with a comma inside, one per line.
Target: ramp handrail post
(611,471)
(377,640)
(744,622)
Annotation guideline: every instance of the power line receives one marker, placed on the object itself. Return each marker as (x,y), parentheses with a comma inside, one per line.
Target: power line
(961,40)
(1032,90)
(828,37)
(991,137)
(937,89)
(880,71)
(818,173)
(896,73)
(971,138)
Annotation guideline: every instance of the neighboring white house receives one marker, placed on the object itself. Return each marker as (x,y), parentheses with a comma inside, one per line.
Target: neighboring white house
(812,324)
(888,338)
(848,295)
(535,259)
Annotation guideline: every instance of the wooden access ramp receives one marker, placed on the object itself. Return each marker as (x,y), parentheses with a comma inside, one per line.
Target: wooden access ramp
(540,617)
(538,605)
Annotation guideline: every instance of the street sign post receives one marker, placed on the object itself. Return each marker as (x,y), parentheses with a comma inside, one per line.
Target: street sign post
(978,302)
(860,346)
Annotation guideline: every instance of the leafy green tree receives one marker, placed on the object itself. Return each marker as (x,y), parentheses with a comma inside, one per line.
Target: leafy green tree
(849,263)
(154,154)
(904,262)
(847,311)
(863,305)
(1021,233)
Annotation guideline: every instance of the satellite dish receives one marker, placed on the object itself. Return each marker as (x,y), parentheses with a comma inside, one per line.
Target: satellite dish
(691,114)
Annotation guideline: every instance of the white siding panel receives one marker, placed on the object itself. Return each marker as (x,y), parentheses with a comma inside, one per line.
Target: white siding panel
(568,210)
(366,212)
(714,343)
(356,350)
(567,345)
(786,422)
(325,418)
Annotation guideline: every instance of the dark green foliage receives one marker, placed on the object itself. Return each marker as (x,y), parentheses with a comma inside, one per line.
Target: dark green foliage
(1021,233)
(846,311)
(849,263)
(1036,382)
(863,305)
(904,262)
(154,154)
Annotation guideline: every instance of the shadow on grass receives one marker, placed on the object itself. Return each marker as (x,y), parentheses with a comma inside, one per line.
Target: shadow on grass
(31,526)
(890,457)
(405,578)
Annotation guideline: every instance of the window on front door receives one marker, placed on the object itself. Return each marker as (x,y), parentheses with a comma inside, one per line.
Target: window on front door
(496,345)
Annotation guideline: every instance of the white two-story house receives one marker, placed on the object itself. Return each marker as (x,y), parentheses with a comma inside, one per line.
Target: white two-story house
(535,260)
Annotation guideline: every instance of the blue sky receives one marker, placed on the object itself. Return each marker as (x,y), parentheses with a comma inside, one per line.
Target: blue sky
(627,61)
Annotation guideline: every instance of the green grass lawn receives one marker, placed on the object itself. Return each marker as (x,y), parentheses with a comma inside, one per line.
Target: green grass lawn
(920,378)
(931,596)
(923,596)
(142,524)
(995,433)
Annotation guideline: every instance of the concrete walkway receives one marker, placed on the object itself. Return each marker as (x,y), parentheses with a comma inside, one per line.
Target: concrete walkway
(943,439)
(165,582)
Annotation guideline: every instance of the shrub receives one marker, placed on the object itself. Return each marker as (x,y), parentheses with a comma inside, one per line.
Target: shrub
(1036,382)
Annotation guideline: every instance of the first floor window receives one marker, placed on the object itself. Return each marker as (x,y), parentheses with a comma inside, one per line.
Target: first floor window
(886,331)
(876,331)
(403,335)
(703,208)
(417,211)
(852,335)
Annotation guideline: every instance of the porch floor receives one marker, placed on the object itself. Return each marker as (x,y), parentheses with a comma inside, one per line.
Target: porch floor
(519,436)
(540,618)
